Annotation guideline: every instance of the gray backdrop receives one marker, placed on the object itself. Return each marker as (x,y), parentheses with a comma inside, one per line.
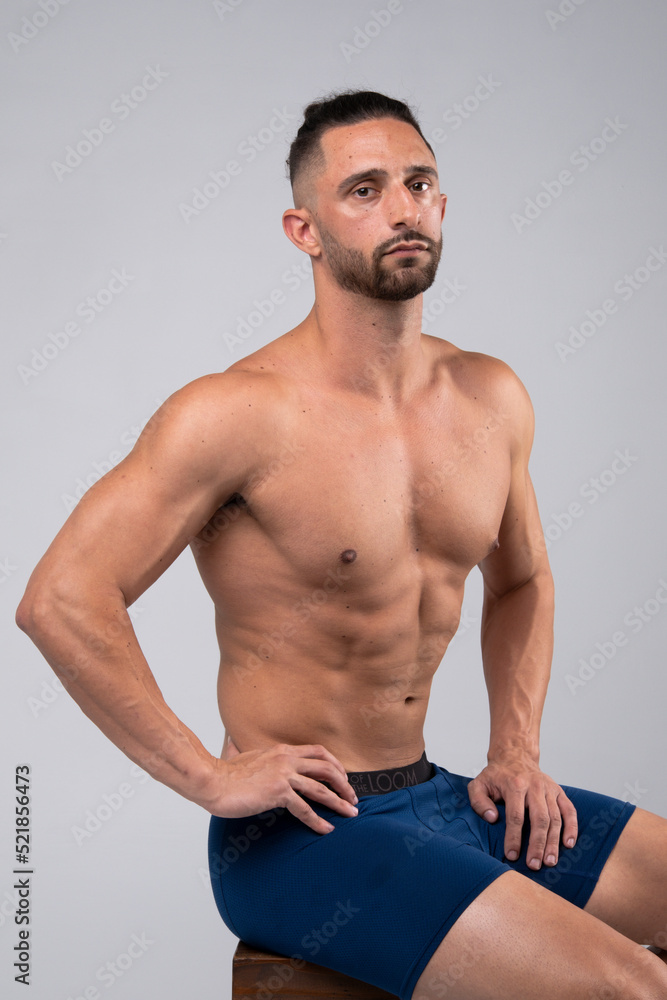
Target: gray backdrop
(141,247)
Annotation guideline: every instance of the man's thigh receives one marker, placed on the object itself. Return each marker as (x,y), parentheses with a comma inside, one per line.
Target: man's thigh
(631,892)
(518,939)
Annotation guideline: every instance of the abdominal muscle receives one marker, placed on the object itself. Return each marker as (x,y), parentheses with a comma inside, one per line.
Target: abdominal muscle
(356,682)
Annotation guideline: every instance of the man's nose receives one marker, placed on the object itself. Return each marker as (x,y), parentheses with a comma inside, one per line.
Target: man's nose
(403,209)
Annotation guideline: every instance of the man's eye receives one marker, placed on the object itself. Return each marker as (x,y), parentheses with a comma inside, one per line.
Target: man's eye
(362,191)
(424,185)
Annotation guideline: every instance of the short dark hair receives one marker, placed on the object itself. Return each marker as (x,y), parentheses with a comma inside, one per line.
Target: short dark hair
(346,108)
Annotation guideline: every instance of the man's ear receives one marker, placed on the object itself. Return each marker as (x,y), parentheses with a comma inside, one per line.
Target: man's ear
(443,205)
(300,228)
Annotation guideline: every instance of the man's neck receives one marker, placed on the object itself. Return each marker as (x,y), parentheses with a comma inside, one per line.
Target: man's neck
(369,346)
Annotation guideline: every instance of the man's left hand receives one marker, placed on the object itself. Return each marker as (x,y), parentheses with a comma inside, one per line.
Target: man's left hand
(519,782)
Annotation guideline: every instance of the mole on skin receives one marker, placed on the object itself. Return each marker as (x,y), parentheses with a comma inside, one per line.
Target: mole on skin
(348,556)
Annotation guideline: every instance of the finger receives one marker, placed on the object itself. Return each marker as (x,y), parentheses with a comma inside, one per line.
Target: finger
(232,750)
(515,815)
(314,750)
(316,790)
(299,808)
(337,776)
(481,803)
(323,771)
(552,847)
(540,816)
(570,824)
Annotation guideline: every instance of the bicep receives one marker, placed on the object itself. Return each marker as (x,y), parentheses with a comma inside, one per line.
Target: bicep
(521,553)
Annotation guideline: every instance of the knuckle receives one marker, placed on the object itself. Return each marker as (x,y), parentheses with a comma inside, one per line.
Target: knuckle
(281,788)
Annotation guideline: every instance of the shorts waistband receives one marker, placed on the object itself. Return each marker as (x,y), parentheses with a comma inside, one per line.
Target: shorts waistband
(391,778)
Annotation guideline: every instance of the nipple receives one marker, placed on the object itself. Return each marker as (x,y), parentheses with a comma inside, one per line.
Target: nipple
(348,556)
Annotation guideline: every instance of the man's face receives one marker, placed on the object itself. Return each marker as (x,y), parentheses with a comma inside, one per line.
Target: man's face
(378,210)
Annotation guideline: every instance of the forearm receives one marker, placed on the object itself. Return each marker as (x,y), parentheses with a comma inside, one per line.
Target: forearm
(517,647)
(87,637)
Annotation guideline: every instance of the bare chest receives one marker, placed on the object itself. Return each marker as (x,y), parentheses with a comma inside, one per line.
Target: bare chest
(377,496)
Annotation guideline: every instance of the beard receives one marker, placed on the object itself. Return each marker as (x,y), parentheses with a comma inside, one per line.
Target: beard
(407,278)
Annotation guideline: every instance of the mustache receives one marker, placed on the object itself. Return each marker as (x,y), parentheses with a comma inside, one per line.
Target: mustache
(411,236)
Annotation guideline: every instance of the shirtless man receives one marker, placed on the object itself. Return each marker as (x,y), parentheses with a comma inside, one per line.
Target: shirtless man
(337,487)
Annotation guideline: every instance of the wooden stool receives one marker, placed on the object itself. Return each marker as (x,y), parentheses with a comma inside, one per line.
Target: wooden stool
(263,975)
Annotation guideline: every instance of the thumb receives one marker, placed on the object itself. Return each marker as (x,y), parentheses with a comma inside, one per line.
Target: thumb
(483,805)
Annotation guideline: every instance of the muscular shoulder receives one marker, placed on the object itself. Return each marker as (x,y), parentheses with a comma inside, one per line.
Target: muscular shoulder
(218,424)
(212,400)
(491,385)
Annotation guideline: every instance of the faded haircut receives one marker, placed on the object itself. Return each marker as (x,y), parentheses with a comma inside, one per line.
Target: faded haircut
(346,108)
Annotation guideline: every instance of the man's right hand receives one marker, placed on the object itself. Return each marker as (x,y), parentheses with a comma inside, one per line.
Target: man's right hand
(258,780)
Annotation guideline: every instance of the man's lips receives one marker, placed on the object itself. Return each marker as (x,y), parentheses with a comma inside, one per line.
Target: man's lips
(407,248)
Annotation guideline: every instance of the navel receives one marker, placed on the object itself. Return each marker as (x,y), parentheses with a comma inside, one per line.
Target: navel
(348,556)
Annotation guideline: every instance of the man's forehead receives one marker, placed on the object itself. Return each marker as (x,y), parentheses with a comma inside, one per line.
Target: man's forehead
(372,144)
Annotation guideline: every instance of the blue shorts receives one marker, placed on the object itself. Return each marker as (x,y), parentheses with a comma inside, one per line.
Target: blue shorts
(375,897)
